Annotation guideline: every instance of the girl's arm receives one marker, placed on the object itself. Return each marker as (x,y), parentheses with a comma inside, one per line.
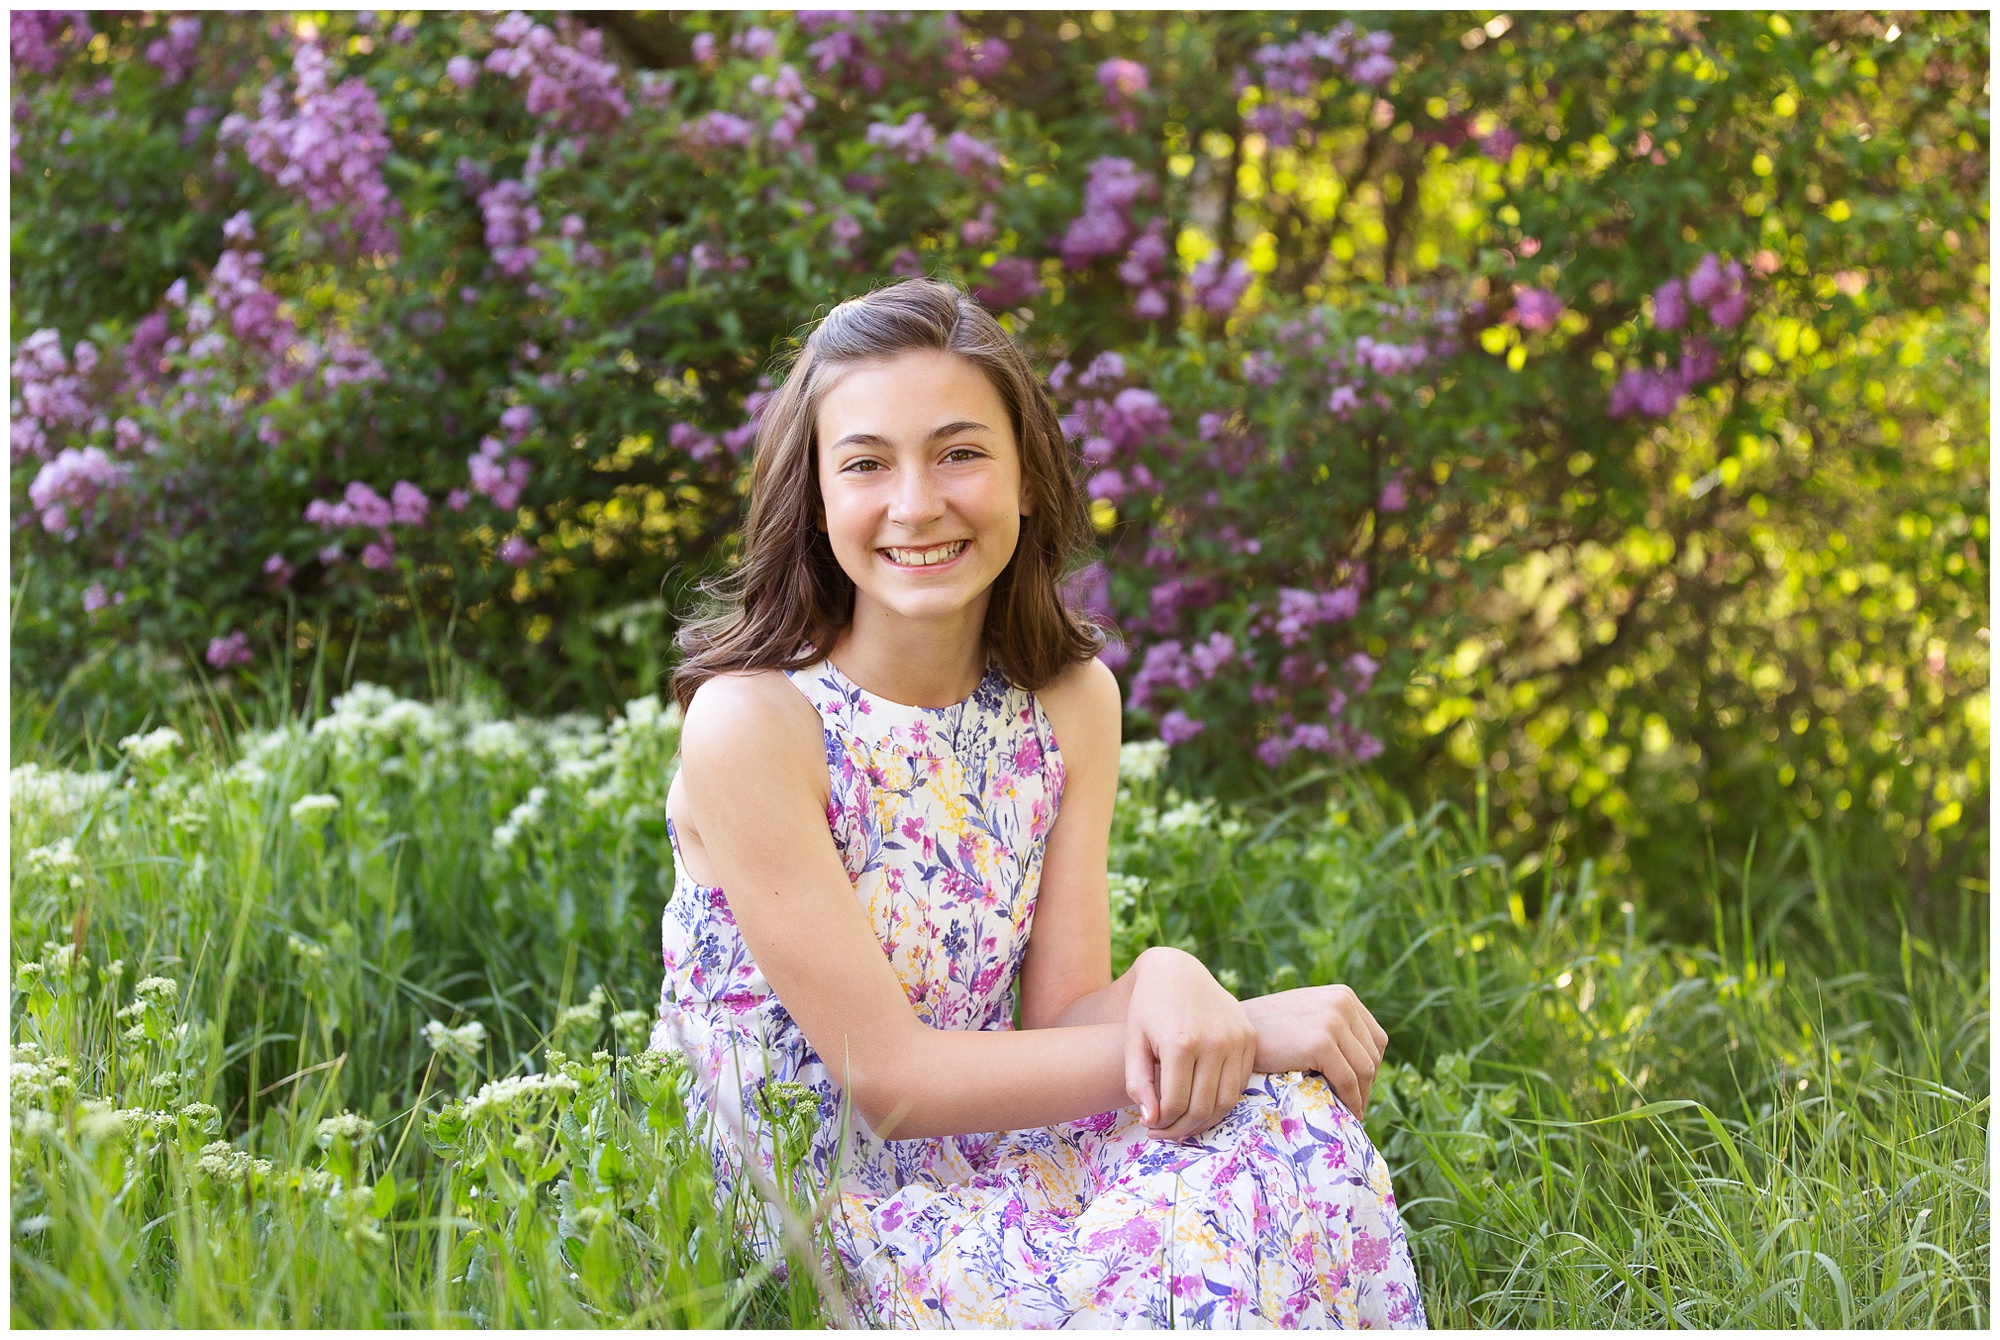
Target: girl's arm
(755,765)
(1189,1046)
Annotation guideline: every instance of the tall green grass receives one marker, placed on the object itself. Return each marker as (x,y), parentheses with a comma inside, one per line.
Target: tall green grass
(376,1058)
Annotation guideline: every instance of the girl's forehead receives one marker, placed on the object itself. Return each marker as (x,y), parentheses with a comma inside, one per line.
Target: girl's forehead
(909,390)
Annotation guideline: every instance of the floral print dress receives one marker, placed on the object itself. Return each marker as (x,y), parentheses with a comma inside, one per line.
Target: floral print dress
(1280,1215)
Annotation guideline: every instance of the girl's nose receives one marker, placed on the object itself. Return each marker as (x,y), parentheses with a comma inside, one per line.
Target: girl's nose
(917,499)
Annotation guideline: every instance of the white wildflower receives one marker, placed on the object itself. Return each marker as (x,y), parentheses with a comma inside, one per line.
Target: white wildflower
(58,855)
(523,815)
(464,1041)
(153,746)
(503,1095)
(313,809)
(53,793)
(160,991)
(498,742)
(201,1115)
(347,1126)
(1141,760)
(224,1164)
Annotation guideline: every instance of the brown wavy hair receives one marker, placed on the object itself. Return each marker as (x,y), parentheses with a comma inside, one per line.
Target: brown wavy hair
(788,600)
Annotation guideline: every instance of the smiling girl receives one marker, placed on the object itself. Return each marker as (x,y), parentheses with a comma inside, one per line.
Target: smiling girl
(891,827)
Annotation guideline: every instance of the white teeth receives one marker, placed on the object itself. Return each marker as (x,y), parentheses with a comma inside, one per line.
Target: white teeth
(924,558)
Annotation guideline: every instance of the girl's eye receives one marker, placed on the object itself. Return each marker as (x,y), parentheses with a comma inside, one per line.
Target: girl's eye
(964,454)
(862,466)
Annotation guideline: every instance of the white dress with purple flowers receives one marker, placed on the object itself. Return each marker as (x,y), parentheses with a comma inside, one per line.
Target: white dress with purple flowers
(1280,1215)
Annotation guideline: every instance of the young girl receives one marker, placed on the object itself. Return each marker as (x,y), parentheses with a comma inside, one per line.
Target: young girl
(891,825)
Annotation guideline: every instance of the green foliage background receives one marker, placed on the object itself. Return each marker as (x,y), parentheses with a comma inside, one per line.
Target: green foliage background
(1651,637)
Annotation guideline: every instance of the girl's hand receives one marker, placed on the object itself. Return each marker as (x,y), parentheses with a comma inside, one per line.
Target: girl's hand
(1189,1046)
(1323,1028)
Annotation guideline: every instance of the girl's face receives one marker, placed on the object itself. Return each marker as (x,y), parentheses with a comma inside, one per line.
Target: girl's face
(921,481)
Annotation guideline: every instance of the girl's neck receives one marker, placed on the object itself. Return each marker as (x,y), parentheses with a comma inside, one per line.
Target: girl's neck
(919,664)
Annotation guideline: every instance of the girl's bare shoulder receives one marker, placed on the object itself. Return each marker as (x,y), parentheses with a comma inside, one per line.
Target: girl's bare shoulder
(1084,707)
(750,718)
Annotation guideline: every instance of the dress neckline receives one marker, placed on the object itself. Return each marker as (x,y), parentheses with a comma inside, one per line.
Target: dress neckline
(849,686)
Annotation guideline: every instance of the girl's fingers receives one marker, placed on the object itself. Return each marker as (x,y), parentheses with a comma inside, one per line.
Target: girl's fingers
(1139,1082)
(1339,1072)
(1176,1086)
(1361,1059)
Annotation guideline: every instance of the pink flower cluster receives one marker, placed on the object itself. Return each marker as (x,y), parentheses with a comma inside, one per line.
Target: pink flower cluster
(175,53)
(406,505)
(1143,269)
(1112,427)
(840,45)
(496,475)
(35,36)
(1123,81)
(1291,73)
(328,151)
(1537,309)
(979,57)
(75,479)
(971,157)
(570,84)
(1111,188)
(1714,284)
(511,224)
(1218,288)
(1654,392)
(1010,281)
(788,91)
(49,395)
(1169,665)
(720,130)
(915,139)
(1299,612)
(1339,740)
(229,650)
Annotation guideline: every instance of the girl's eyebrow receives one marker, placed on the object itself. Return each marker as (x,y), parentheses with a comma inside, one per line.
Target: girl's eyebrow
(942,431)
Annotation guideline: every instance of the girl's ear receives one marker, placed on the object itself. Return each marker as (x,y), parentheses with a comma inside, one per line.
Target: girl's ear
(1027,498)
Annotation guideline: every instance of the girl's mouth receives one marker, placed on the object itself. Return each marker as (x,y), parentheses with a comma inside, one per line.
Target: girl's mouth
(937,555)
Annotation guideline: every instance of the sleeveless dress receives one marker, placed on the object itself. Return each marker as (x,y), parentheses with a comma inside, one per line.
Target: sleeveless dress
(1280,1215)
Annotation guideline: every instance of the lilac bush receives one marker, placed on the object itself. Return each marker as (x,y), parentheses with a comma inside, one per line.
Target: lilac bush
(1441,389)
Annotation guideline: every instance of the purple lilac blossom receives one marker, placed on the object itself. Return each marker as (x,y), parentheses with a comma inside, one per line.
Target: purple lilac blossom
(76,478)
(35,36)
(1394,497)
(1670,306)
(175,53)
(1111,188)
(915,139)
(229,650)
(1010,282)
(516,552)
(511,224)
(1177,728)
(1499,143)
(570,85)
(328,152)
(1537,309)
(1218,289)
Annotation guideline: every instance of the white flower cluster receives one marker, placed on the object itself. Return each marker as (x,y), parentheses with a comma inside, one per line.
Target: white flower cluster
(59,861)
(499,744)
(1141,760)
(55,794)
(308,811)
(369,720)
(152,747)
(261,751)
(348,1127)
(222,1163)
(502,1096)
(463,1042)
(523,815)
